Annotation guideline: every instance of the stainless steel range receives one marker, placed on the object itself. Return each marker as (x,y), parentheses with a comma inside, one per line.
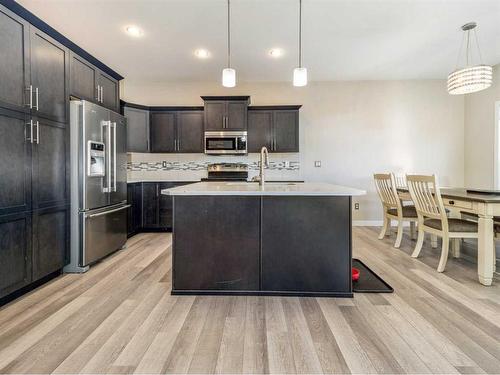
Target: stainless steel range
(98,183)
(227,172)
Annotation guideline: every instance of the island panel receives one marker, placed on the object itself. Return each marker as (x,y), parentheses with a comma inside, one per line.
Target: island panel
(216,243)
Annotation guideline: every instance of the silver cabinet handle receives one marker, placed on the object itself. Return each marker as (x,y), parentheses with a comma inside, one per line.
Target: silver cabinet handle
(108,212)
(36,98)
(31,130)
(37,132)
(98,93)
(102,94)
(157,194)
(178,145)
(30,89)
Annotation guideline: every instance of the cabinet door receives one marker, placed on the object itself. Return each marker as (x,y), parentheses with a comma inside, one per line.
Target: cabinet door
(150,214)
(83,76)
(190,131)
(286,131)
(236,115)
(215,112)
(50,240)
(49,62)
(14,69)
(163,132)
(15,162)
(137,207)
(15,252)
(50,164)
(130,210)
(109,92)
(260,126)
(166,206)
(137,129)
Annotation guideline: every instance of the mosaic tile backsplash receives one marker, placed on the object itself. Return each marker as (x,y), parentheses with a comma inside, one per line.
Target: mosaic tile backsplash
(192,167)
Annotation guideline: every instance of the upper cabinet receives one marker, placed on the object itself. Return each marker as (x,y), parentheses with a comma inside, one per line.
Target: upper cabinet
(137,129)
(14,69)
(179,131)
(49,69)
(226,113)
(90,83)
(276,128)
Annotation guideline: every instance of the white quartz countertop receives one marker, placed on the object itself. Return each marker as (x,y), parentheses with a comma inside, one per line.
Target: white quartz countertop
(274,188)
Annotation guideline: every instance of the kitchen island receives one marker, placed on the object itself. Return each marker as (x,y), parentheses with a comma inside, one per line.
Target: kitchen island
(276,239)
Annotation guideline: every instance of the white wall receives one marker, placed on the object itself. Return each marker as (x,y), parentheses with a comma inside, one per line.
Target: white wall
(354,128)
(480,135)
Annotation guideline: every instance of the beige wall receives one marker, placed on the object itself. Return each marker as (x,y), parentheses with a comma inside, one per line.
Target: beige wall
(480,135)
(353,128)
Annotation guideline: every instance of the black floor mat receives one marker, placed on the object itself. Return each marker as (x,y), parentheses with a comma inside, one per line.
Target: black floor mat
(369,281)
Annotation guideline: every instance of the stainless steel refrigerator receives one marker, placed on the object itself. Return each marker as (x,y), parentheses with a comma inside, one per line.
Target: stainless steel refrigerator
(98,183)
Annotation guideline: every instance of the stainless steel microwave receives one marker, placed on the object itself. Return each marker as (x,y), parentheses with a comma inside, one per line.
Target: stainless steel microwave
(226,142)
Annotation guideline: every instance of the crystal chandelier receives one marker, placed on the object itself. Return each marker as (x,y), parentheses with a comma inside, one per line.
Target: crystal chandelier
(471,78)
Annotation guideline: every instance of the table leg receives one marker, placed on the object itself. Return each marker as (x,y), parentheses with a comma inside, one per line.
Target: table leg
(486,248)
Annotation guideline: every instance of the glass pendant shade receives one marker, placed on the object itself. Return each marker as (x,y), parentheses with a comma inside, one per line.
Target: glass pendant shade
(229,77)
(300,77)
(470,79)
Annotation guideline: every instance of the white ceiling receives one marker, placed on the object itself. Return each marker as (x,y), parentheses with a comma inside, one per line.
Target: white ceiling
(342,39)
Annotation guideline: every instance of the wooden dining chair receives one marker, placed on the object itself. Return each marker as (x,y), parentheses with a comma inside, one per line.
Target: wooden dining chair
(392,206)
(432,217)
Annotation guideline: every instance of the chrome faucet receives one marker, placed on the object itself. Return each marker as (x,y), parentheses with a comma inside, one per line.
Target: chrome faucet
(264,159)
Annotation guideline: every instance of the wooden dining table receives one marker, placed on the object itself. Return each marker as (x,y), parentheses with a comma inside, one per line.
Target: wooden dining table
(486,206)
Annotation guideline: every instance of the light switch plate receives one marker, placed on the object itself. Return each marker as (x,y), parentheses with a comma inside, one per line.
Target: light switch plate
(164,164)
(317,163)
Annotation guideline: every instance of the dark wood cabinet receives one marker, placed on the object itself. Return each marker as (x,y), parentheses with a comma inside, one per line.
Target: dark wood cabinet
(50,240)
(277,129)
(49,70)
(163,132)
(83,78)
(15,162)
(134,212)
(15,252)
(165,206)
(109,91)
(190,131)
(225,113)
(50,164)
(137,129)
(150,206)
(14,69)
(90,83)
(260,130)
(177,131)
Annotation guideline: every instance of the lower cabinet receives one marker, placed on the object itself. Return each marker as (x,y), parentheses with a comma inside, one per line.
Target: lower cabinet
(32,246)
(150,210)
(50,240)
(15,252)
(134,213)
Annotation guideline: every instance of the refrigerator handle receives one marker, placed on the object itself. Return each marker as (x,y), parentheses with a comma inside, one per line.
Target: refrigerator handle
(107,177)
(114,156)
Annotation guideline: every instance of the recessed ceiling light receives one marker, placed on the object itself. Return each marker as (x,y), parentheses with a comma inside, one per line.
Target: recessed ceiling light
(134,31)
(202,53)
(276,52)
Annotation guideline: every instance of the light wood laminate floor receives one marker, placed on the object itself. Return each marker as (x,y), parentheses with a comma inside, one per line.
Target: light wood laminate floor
(120,318)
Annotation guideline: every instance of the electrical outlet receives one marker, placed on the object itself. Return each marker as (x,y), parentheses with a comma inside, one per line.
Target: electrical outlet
(356,206)
(317,163)
(287,164)
(164,164)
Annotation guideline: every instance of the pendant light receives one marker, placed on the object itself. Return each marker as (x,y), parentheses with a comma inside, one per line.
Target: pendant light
(228,74)
(300,73)
(471,78)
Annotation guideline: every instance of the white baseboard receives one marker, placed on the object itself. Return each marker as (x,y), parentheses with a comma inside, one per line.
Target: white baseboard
(373,223)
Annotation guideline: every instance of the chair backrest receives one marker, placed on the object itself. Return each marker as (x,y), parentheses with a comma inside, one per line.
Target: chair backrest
(386,188)
(426,196)
(401,182)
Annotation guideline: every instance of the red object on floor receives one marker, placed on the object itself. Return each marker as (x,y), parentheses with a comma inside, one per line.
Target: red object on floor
(355,274)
